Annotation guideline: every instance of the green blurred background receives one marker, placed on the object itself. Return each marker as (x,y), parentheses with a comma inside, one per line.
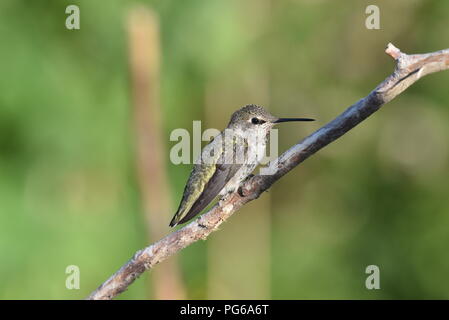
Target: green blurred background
(69,192)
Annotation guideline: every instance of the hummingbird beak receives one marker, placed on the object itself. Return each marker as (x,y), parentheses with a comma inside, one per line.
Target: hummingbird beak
(292,119)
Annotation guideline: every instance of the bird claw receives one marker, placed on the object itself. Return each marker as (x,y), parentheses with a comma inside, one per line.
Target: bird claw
(240,188)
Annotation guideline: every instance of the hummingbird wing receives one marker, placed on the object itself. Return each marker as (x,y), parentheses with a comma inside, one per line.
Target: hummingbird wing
(221,176)
(204,184)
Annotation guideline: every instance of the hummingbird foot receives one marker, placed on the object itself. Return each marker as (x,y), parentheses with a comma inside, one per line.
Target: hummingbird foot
(224,197)
(240,188)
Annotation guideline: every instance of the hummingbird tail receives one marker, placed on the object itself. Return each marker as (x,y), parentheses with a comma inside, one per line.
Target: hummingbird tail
(174,221)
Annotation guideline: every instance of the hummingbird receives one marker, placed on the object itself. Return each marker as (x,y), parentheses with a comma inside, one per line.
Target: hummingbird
(227,160)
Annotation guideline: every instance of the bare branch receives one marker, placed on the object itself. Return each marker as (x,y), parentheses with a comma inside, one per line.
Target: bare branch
(409,68)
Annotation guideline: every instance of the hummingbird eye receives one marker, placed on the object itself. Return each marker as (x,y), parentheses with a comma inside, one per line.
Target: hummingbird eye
(257,121)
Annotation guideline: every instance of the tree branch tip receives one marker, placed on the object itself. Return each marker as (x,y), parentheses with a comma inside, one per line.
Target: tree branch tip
(393,52)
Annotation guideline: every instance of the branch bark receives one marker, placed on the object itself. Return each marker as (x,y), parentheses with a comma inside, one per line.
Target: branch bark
(409,69)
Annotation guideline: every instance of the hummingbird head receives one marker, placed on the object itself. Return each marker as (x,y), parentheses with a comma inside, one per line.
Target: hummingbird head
(252,117)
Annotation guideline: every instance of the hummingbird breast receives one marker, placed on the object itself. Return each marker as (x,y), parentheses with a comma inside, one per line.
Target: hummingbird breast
(225,162)
(254,150)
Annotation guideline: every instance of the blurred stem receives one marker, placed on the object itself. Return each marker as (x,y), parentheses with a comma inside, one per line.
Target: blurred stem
(409,69)
(144,56)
